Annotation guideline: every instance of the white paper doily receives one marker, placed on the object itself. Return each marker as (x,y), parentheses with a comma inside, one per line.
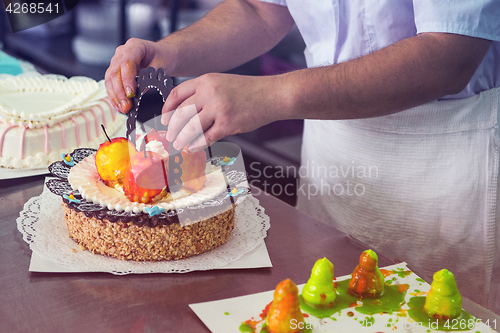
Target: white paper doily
(42,225)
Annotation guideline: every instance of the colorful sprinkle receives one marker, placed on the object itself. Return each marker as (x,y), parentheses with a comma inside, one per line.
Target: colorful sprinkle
(227,161)
(71,198)
(68,159)
(418,293)
(235,192)
(154,210)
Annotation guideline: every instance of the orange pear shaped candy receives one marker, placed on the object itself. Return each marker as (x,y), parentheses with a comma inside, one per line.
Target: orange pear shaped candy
(284,315)
(367,280)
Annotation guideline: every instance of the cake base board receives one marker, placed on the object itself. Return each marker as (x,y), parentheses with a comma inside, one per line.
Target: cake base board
(257,258)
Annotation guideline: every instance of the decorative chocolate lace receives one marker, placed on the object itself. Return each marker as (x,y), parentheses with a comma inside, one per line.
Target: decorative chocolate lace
(61,187)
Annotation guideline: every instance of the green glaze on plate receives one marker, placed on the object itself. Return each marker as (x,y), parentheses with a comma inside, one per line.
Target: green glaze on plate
(389,302)
(245,328)
(368,321)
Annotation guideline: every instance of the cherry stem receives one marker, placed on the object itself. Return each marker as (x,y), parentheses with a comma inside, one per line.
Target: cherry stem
(144,147)
(104,130)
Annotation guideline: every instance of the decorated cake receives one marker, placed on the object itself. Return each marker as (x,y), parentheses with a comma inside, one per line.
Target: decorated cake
(44,116)
(117,200)
(138,198)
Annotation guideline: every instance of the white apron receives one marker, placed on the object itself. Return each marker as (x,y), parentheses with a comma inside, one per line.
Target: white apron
(420,185)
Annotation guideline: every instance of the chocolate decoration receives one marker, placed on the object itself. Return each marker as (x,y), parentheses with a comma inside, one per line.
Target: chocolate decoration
(174,168)
(60,186)
(148,78)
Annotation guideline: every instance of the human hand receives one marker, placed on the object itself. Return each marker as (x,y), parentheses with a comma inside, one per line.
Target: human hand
(125,65)
(213,106)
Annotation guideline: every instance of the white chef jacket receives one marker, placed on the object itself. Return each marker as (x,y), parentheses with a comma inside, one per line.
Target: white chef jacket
(422,184)
(335,31)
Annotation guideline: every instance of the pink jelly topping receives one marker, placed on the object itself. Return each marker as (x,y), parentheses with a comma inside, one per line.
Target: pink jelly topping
(63,133)
(3,137)
(77,131)
(46,132)
(87,126)
(113,115)
(103,115)
(96,121)
(23,135)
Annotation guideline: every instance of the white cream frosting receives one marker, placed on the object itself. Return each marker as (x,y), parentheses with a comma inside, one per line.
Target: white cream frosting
(36,100)
(84,178)
(157,147)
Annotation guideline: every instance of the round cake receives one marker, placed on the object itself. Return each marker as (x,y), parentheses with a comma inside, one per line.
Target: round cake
(44,116)
(131,241)
(103,220)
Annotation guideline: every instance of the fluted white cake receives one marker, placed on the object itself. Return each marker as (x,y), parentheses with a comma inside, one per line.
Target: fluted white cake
(44,116)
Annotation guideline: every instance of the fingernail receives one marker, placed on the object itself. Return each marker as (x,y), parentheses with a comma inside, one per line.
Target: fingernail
(176,145)
(116,104)
(130,92)
(124,104)
(163,120)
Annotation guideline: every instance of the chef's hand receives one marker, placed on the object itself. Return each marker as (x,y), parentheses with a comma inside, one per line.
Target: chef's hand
(125,65)
(202,111)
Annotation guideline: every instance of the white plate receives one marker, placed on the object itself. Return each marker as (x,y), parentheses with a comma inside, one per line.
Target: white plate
(228,314)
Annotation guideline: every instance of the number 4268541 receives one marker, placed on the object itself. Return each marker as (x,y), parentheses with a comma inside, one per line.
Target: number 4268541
(32,8)
(455,324)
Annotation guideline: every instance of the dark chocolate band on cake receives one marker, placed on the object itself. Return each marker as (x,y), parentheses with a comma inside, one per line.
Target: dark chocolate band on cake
(127,241)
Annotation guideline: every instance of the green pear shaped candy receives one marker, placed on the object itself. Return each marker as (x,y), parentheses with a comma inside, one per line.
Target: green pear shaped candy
(319,290)
(443,301)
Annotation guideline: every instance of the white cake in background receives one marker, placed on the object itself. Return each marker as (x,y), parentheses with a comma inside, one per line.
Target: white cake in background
(44,116)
